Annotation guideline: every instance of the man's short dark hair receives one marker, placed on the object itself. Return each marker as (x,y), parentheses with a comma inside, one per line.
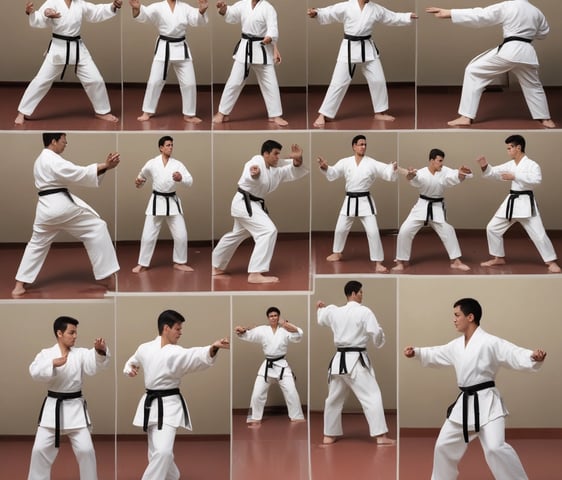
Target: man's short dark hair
(170,318)
(516,140)
(62,322)
(435,152)
(269,145)
(468,306)
(272,309)
(164,139)
(351,287)
(356,139)
(48,137)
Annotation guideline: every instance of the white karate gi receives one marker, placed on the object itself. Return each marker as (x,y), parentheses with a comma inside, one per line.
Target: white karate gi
(58,213)
(353,325)
(359,178)
(274,344)
(171,24)
(518,18)
(260,21)
(162,181)
(259,226)
(69,25)
(429,185)
(163,369)
(475,363)
(358,23)
(527,175)
(74,418)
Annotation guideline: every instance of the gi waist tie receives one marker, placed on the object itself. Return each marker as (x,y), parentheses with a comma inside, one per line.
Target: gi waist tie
(343,366)
(248,198)
(269,363)
(355,38)
(356,196)
(60,396)
(249,52)
(169,40)
(167,196)
(152,395)
(514,39)
(430,202)
(76,40)
(468,392)
(52,191)
(513,195)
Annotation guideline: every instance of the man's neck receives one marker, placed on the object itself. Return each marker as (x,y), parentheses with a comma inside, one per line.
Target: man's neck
(358,158)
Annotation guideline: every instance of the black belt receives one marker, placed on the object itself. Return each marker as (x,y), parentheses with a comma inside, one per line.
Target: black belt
(158,395)
(169,40)
(269,364)
(514,39)
(467,392)
(167,196)
(68,40)
(60,396)
(431,201)
(249,53)
(513,194)
(343,365)
(358,195)
(52,191)
(248,198)
(354,38)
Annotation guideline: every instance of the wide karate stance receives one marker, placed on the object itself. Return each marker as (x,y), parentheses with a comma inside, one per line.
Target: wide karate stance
(353,325)
(162,409)
(62,368)
(519,206)
(164,205)
(60,211)
(256,50)
(521,23)
(430,209)
(261,175)
(357,48)
(171,18)
(360,172)
(64,18)
(274,340)
(477,357)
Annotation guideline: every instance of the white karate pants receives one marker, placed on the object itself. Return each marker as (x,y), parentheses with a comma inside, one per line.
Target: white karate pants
(497,226)
(343,227)
(485,68)
(152,226)
(161,465)
(44,453)
(373,73)
(500,456)
(186,78)
(267,81)
(290,394)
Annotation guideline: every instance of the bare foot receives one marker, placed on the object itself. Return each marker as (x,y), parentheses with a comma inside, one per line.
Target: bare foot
(380,268)
(334,257)
(399,267)
(19,289)
(553,267)
(220,118)
(327,440)
(144,117)
(107,117)
(298,420)
(494,261)
(548,123)
(191,119)
(20,119)
(457,263)
(384,441)
(218,271)
(320,121)
(260,278)
(139,268)
(108,283)
(182,267)
(279,121)
(461,121)
(385,117)
(253,423)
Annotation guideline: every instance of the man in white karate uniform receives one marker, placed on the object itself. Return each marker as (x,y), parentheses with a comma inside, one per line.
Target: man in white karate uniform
(430,209)
(353,326)
(62,368)
(164,205)
(162,409)
(519,206)
(60,211)
(476,356)
(256,50)
(274,340)
(360,172)
(65,18)
(261,175)
(171,18)
(521,23)
(357,48)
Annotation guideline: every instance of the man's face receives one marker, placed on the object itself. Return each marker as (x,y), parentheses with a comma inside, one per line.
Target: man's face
(59,145)
(462,321)
(167,148)
(172,334)
(513,150)
(273,318)
(68,337)
(360,147)
(272,158)
(436,164)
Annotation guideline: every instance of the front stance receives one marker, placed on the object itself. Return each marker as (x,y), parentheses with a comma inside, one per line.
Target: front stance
(477,357)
